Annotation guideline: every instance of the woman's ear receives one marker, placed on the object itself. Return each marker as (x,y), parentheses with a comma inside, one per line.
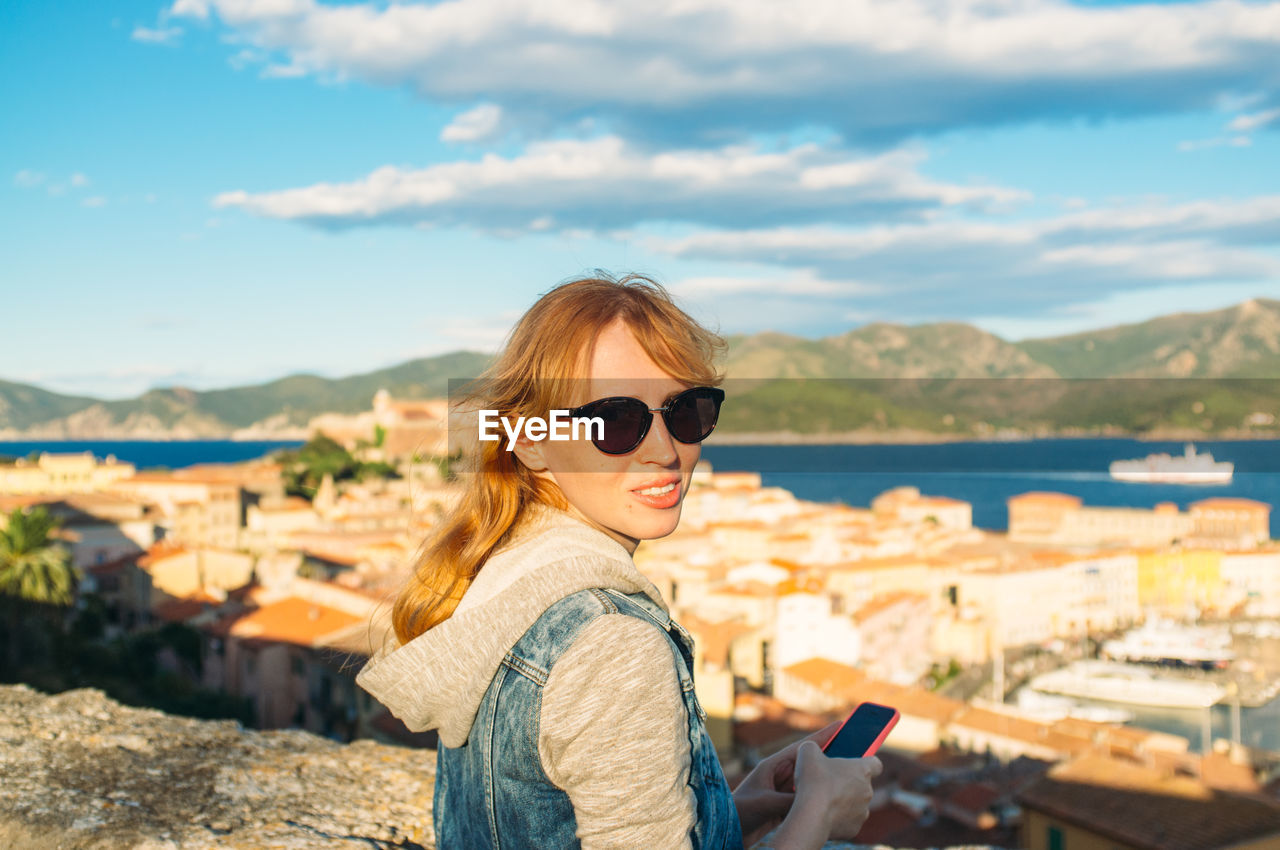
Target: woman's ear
(530,453)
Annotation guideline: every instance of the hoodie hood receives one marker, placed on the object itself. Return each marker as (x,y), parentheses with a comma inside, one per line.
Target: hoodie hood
(437,680)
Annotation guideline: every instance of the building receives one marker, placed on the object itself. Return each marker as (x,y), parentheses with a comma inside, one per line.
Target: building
(1230,523)
(806,627)
(894,632)
(177,573)
(59,474)
(1058,519)
(295,657)
(393,428)
(1099,801)
(197,511)
(907,505)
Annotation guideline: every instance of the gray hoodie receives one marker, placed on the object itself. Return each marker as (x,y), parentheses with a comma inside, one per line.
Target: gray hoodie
(613,730)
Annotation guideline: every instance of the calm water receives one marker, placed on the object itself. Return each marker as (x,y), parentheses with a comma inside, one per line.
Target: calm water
(146,454)
(984,474)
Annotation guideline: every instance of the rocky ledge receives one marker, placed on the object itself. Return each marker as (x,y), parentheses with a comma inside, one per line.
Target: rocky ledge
(79,771)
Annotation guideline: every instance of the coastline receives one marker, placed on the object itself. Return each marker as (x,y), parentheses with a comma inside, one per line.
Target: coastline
(1002,435)
(902,436)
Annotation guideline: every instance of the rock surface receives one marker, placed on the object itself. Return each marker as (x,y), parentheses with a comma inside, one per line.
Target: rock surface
(79,771)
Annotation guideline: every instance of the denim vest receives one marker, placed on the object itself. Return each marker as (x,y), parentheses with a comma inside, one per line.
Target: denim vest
(492,793)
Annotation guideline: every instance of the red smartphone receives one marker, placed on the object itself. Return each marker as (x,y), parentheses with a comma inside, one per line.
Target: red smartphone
(862,732)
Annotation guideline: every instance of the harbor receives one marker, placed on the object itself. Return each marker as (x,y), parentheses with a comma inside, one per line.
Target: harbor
(1238,701)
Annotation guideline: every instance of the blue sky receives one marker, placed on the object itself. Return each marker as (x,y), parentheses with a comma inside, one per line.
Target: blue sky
(217,192)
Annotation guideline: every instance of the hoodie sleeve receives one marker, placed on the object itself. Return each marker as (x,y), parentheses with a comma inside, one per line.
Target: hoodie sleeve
(615,736)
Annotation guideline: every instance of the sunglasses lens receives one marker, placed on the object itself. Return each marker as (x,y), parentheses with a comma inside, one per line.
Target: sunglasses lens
(692,414)
(624,423)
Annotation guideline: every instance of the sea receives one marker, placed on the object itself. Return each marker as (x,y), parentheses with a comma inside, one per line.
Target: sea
(983,473)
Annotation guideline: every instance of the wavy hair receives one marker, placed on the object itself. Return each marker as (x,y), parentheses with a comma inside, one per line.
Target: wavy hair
(546,352)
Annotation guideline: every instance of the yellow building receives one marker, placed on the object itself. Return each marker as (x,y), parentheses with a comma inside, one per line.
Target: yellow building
(60,474)
(1173,582)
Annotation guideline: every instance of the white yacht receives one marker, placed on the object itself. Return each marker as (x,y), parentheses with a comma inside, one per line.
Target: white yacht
(1162,642)
(1126,683)
(1162,468)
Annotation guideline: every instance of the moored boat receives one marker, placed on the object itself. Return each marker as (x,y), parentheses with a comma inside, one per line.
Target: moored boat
(1160,642)
(1126,683)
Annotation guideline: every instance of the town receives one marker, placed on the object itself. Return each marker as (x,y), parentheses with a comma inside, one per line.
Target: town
(260,588)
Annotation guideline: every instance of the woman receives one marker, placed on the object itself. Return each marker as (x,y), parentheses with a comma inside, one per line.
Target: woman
(561,688)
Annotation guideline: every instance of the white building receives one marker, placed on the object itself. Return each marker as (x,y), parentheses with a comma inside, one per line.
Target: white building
(806,628)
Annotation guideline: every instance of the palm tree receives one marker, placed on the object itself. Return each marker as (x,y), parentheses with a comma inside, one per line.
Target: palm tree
(33,566)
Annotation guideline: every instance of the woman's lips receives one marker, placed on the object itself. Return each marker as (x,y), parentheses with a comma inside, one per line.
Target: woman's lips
(659,495)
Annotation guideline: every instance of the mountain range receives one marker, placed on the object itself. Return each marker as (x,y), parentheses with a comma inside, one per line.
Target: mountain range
(1195,372)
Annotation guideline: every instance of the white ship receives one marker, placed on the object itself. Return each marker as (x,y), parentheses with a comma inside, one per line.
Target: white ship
(1189,468)
(1126,683)
(1162,642)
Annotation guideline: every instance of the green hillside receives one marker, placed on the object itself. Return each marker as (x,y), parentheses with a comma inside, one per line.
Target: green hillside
(1209,372)
(22,405)
(1241,341)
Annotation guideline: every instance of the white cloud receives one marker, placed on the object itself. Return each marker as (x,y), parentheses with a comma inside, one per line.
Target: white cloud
(28,179)
(474,125)
(167,35)
(965,268)
(94,201)
(283,72)
(801,282)
(191,9)
(1255,121)
(1215,142)
(874,70)
(604,183)
(78,181)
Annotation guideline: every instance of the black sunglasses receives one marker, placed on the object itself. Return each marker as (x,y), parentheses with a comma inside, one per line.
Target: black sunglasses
(690,418)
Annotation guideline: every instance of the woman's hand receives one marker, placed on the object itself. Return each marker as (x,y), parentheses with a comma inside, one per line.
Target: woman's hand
(832,799)
(765,796)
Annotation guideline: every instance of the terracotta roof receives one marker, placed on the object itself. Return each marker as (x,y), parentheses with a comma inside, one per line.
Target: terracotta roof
(10,503)
(830,676)
(885,601)
(1019,729)
(1225,503)
(884,823)
(973,797)
(881,563)
(1149,808)
(292,620)
(159,552)
(714,638)
(918,702)
(179,610)
(1046,498)
(940,501)
(1218,771)
(290,503)
(116,565)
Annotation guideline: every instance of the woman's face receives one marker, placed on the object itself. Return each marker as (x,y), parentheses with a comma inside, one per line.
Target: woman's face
(634,496)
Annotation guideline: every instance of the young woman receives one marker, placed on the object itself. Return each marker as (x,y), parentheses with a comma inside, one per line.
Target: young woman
(560,686)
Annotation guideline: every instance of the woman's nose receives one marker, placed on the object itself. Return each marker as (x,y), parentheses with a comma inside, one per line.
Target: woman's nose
(658,445)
